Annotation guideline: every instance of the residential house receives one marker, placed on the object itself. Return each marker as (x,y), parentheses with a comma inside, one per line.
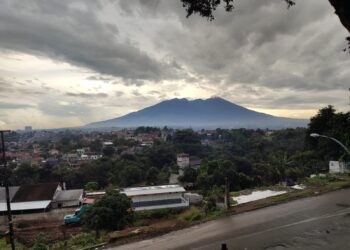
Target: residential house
(68,198)
(183,160)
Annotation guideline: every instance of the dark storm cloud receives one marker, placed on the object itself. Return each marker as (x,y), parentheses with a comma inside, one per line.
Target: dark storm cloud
(87,95)
(261,54)
(259,43)
(71,31)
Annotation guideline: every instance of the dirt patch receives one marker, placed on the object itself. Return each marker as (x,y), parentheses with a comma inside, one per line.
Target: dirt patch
(26,231)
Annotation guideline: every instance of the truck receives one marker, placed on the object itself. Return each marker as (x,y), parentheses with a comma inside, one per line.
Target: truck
(76,217)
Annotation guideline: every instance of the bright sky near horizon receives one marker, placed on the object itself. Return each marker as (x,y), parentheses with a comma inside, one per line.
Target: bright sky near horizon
(68,63)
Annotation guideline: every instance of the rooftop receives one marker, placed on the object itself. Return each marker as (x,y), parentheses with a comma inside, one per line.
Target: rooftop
(153,190)
(36,192)
(12,191)
(67,195)
(30,205)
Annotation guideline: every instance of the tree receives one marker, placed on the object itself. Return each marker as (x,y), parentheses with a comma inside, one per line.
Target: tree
(189,176)
(91,186)
(330,123)
(342,9)
(130,175)
(108,151)
(152,176)
(26,174)
(111,212)
(205,8)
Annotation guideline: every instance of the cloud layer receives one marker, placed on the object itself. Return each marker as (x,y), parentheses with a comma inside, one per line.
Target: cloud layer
(72,62)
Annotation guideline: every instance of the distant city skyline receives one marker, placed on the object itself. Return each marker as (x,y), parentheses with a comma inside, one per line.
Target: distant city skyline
(69,63)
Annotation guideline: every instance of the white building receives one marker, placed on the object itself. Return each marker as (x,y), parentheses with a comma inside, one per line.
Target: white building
(337,167)
(107,144)
(68,198)
(183,160)
(156,197)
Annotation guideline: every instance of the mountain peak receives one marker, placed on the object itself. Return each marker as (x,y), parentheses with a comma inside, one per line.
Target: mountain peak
(214,112)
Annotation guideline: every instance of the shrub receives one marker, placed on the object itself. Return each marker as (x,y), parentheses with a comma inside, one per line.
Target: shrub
(156,214)
(317,181)
(83,240)
(192,214)
(40,242)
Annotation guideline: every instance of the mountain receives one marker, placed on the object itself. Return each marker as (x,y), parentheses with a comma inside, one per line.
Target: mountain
(209,113)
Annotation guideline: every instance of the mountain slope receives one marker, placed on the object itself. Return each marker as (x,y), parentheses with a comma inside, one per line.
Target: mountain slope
(209,113)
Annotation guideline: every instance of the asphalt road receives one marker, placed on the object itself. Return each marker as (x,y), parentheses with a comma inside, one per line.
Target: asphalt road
(321,222)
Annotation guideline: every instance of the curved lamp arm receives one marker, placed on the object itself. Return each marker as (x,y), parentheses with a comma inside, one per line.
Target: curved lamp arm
(333,139)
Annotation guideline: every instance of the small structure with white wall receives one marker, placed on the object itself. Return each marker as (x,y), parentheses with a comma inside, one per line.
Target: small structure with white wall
(183,160)
(156,197)
(336,167)
(193,198)
(68,198)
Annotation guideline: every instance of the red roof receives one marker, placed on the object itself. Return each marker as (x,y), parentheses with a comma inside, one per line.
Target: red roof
(88,200)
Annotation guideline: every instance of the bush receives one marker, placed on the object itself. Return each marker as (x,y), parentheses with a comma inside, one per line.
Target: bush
(83,240)
(40,242)
(91,186)
(111,212)
(192,214)
(156,214)
(318,181)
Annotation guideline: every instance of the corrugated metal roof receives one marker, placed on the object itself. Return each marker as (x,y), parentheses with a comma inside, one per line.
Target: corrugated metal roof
(36,192)
(12,190)
(21,206)
(153,190)
(69,195)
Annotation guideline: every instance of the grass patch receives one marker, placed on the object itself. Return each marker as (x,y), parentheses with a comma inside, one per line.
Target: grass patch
(164,213)
(79,241)
(235,194)
(216,214)
(233,202)
(4,246)
(191,215)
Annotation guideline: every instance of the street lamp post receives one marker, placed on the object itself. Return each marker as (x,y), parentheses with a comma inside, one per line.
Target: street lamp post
(333,139)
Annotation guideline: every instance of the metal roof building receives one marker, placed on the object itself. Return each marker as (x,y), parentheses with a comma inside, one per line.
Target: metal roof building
(23,206)
(30,198)
(12,190)
(156,197)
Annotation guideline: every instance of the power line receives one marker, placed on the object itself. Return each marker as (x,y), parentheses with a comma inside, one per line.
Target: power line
(9,214)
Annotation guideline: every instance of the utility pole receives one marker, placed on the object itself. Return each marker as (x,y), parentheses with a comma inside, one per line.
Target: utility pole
(227,194)
(6,182)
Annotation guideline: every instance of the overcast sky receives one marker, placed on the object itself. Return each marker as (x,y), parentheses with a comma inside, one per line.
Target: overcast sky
(68,63)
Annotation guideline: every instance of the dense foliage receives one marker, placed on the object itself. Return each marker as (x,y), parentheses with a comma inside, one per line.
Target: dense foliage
(248,158)
(111,212)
